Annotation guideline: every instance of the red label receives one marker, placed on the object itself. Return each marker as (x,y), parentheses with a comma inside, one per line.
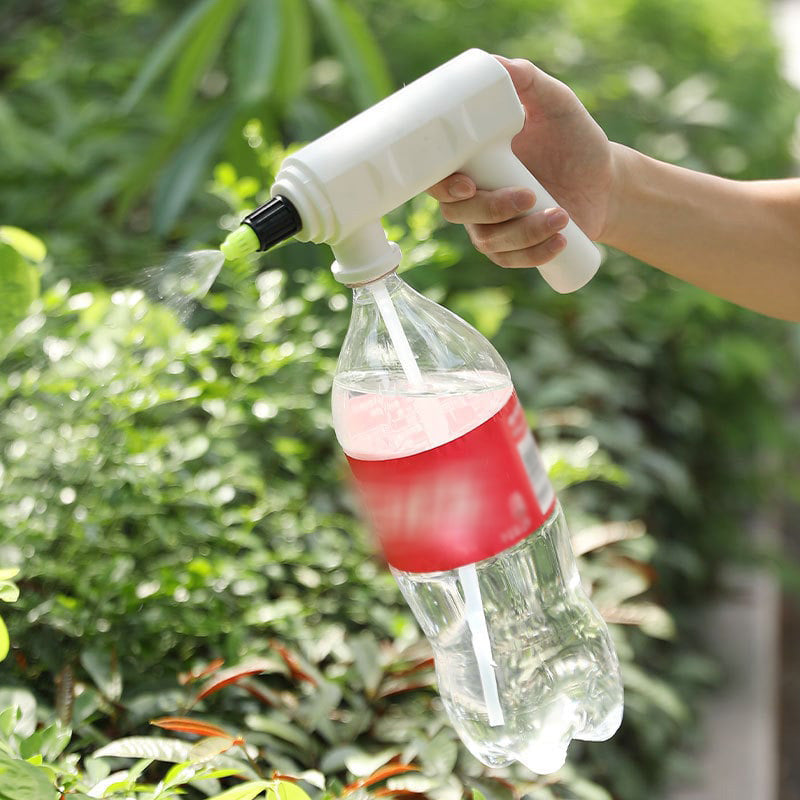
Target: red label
(461,502)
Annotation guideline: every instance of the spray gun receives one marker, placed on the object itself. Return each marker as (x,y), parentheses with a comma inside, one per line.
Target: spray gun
(460,117)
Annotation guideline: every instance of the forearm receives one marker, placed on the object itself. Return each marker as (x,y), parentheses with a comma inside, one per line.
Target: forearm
(738,239)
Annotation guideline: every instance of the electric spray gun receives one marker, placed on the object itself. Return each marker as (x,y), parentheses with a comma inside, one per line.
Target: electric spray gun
(445,465)
(459,117)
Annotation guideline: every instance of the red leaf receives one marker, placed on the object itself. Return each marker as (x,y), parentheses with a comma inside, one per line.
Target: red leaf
(276,776)
(380,775)
(186,725)
(507,784)
(428,662)
(647,571)
(233,675)
(267,697)
(195,675)
(294,666)
(392,688)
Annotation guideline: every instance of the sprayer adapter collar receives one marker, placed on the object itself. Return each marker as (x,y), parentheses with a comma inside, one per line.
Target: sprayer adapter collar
(274,222)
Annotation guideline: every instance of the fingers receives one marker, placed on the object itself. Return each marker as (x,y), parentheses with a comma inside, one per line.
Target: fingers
(530,256)
(493,221)
(527,242)
(523,73)
(518,234)
(485,206)
(462,202)
(453,188)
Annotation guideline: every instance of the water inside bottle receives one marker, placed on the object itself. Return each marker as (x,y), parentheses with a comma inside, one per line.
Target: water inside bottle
(557,675)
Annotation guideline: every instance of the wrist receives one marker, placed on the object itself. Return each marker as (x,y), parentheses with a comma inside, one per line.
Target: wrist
(621,190)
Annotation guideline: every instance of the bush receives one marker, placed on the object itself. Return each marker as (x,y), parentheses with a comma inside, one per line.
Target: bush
(154,528)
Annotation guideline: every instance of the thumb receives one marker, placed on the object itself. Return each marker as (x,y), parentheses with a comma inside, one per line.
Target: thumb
(540,93)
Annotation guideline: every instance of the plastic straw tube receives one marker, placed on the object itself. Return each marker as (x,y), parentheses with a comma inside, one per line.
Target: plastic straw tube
(482,647)
(396,334)
(432,418)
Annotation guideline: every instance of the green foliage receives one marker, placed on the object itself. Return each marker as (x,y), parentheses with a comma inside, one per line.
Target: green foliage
(9,593)
(132,441)
(19,280)
(35,765)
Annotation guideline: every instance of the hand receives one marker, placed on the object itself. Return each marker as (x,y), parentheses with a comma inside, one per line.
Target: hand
(566,150)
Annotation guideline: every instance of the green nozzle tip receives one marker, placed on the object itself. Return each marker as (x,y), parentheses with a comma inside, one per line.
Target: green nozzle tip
(240,243)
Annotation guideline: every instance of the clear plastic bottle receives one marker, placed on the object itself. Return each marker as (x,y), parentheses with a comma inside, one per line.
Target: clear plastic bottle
(451,483)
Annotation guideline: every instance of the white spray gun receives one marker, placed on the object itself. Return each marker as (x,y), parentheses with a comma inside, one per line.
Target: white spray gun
(461,117)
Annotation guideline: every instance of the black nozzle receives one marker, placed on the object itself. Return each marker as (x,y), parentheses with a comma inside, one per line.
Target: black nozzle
(274,222)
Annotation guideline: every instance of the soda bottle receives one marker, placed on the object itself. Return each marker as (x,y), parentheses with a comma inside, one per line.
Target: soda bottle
(452,484)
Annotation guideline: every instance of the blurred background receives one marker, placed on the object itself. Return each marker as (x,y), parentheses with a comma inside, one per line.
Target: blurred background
(175,536)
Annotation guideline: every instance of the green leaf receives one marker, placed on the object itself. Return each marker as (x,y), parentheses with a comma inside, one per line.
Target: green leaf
(20,780)
(439,757)
(366,654)
(9,592)
(650,618)
(657,692)
(26,244)
(9,573)
(246,791)
(48,743)
(23,700)
(182,175)
(284,790)
(257,50)
(164,52)
(621,584)
(5,643)
(583,789)
(295,57)
(282,730)
(104,672)
(8,719)
(207,37)
(215,774)
(162,748)
(19,287)
(353,42)
(361,763)
(180,773)
(209,747)
(158,748)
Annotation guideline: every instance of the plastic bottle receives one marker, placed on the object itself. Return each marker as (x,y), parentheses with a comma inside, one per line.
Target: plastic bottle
(451,482)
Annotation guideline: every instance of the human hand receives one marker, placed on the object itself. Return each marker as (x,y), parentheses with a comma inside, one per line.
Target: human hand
(569,154)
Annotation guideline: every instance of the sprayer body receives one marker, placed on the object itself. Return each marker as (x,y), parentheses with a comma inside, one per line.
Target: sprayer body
(459,117)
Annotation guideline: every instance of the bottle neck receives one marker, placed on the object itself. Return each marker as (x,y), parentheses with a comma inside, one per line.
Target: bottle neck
(363,295)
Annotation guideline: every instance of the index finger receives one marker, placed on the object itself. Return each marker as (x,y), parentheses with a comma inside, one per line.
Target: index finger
(453,188)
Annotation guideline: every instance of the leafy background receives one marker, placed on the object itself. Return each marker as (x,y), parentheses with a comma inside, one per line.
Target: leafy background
(172,495)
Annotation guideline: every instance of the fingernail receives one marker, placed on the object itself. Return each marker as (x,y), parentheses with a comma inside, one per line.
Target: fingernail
(556,243)
(523,199)
(556,218)
(460,190)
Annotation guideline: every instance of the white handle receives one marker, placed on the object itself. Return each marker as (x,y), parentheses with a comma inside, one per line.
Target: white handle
(573,267)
